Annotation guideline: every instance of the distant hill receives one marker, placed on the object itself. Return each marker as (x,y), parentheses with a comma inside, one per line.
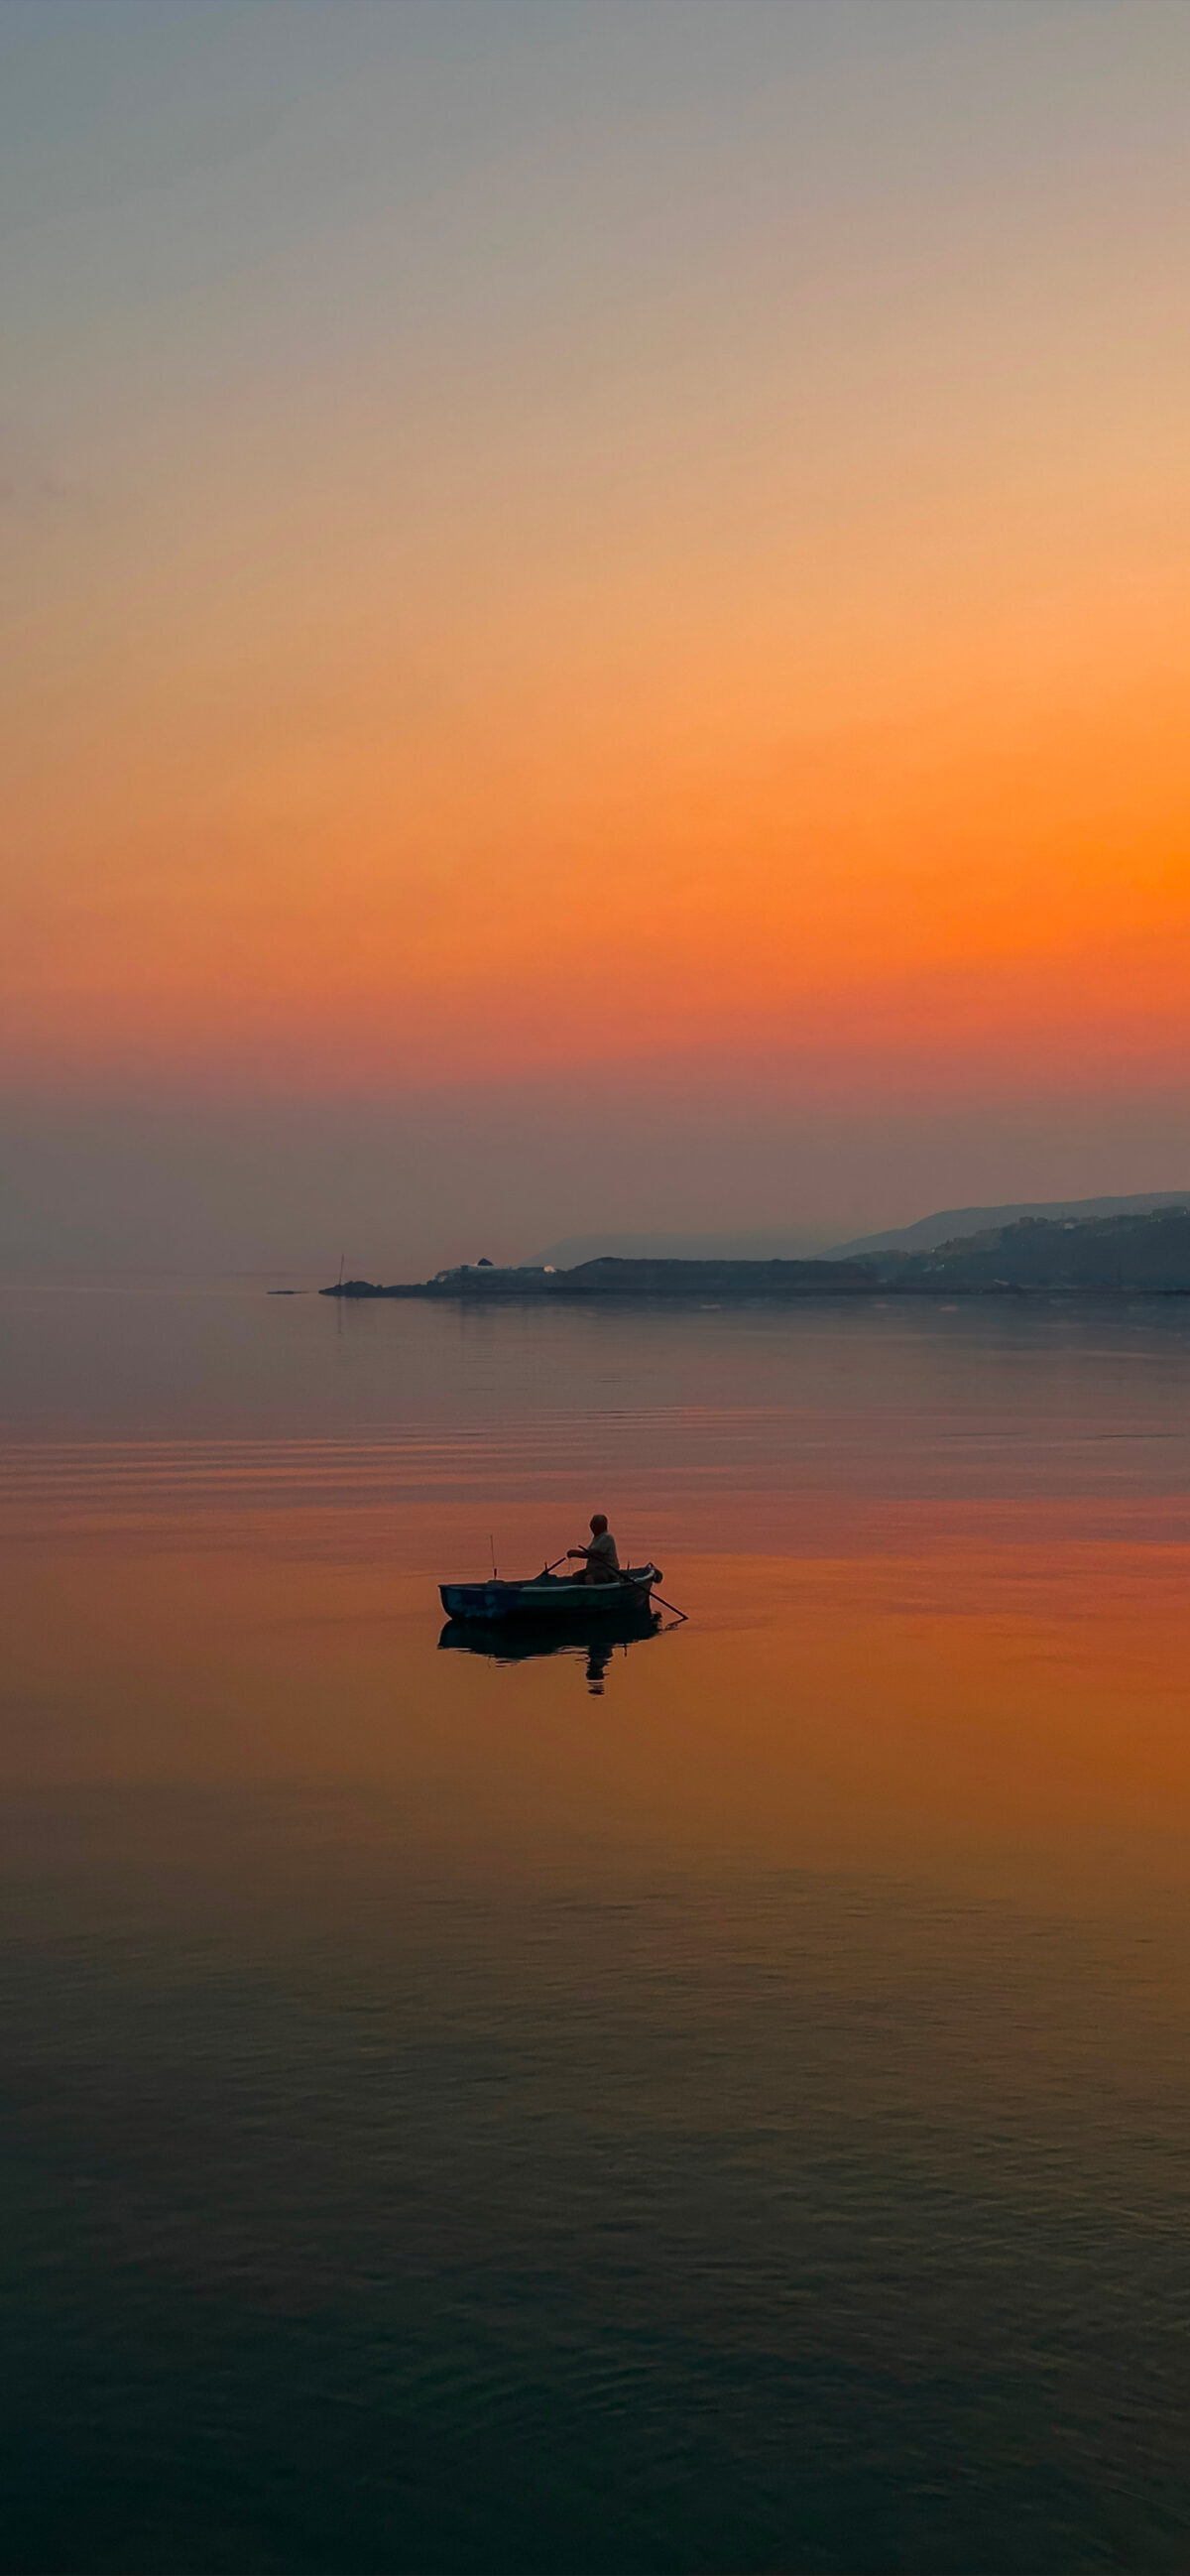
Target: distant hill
(930,1231)
(1150,1250)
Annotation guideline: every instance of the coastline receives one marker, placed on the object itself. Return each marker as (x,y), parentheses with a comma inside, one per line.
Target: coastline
(753,1292)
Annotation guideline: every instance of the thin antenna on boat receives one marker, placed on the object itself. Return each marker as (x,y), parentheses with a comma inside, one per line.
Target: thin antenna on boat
(342,1266)
(492,1549)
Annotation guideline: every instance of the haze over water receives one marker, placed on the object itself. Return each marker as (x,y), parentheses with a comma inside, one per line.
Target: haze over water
(462,2117)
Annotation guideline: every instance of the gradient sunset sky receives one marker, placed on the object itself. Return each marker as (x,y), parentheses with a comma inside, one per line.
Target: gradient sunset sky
(596,618)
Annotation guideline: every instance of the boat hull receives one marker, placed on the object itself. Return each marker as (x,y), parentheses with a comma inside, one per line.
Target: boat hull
(546,1599)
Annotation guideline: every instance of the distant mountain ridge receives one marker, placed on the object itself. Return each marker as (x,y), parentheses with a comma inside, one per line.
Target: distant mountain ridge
(952,1223)
(817,1241)
(1146,1250)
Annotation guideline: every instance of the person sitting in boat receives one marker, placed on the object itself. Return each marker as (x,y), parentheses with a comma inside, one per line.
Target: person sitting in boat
(603,1563)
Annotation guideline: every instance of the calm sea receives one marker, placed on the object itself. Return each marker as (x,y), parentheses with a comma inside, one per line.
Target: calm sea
(725,2111)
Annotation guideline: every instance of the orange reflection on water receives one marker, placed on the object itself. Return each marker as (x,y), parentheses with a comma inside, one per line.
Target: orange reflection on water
(973,1704)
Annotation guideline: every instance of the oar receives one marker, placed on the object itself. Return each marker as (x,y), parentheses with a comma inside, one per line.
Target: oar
(650,1595)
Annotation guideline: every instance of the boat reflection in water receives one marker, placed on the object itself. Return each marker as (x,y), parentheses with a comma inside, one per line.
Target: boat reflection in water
(597,1635)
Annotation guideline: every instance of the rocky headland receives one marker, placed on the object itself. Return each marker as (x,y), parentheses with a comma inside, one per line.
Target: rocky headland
(1106,1256)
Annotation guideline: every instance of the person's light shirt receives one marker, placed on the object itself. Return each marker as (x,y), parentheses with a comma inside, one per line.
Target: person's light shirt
(602,1558)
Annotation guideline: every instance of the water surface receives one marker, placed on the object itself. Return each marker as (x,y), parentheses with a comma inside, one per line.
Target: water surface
(726,2113)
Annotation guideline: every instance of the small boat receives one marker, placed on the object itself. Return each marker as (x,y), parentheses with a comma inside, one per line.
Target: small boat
(551,1597)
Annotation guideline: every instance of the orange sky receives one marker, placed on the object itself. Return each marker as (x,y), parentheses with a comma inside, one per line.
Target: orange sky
(664,549)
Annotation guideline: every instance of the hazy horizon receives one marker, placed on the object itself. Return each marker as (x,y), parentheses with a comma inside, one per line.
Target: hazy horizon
(230,1199)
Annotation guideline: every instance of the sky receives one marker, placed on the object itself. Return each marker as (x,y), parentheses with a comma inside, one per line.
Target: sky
(594,619)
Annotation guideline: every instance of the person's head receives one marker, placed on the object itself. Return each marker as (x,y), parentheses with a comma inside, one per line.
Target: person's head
(598,1524)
